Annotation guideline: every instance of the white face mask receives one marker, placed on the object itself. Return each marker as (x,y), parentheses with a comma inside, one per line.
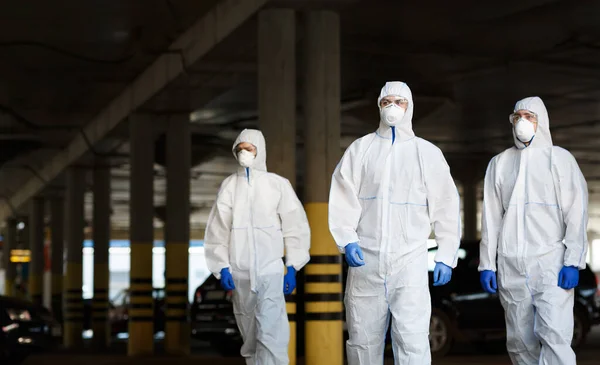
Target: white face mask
(392,114)
(524,130)
(245,158)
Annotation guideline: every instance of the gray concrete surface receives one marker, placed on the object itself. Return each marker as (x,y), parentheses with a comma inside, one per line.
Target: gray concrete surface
(588,355)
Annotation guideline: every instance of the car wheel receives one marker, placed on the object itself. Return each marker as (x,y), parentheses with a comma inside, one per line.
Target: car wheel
(440,333)
(580,328)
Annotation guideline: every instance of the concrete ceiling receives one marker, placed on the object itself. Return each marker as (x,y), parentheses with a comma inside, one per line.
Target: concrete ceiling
(467,63)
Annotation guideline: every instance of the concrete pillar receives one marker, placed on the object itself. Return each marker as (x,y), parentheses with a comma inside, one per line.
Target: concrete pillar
(141,231)
(101,237)
(23,269)
(72,286)
(36,246)
(277,89)
(323,280)
(177,235)
(277,108)
(57,239)
(470,209)
(10,269)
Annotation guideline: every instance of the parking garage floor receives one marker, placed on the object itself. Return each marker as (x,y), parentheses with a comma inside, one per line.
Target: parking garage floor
(587,355)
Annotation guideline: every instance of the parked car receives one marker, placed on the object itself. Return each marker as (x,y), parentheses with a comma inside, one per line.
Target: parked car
(212,318)
(118,312)
(26,328)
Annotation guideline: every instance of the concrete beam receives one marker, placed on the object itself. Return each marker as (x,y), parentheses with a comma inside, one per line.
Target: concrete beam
(192,45)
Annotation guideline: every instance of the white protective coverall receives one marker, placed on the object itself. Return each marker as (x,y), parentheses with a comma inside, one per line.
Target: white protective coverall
(385,194)
(256,215)
(534,222)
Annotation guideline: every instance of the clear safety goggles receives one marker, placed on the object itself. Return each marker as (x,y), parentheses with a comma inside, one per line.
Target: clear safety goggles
(399,101)
(530,116)
(245,146)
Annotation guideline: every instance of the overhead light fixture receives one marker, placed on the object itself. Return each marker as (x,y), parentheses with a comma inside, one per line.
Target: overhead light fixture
(203,115)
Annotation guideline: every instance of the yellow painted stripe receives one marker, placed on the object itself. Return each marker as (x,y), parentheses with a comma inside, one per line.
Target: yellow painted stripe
(141,259)
(176,259)
(141,312)
(141,300)
(322,242)
(73,278)
(320,288)
(324,307)
(324,343)
(9,287)
(140,286)
(176,300)
(101,275)
(57,284)
(323,269)
(35,285)
(290,307)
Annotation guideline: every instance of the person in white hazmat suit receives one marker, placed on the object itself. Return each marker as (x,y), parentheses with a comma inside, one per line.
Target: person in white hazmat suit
(534,236)
(387,190)
(256,217)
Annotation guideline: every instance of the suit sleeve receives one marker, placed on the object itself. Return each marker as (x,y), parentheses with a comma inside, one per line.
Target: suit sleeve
(492,214)
(218,231)
(444,208)
(294,227)
(574,205)
(344,204)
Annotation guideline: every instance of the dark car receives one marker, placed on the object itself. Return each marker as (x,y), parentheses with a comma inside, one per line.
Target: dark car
(463,312)
(25,328)
(212,317)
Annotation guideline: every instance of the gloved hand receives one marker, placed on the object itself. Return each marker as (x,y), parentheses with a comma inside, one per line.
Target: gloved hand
(441,274)
(289,281)
(354,255)
(227,279)
(488,281)
(568,278)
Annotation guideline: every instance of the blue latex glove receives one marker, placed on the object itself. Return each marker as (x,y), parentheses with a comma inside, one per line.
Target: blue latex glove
(354,255)
(568,278)
(488,281)
(227,279)
(289,281)
(441,274)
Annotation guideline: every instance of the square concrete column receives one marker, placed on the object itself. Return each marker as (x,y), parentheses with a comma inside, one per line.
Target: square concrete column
(73,283)
(322,114)
(10,269)
(36,246)
(177,235)
(101,237)
(277,89)
(277,108)
(57,244)
(141,232)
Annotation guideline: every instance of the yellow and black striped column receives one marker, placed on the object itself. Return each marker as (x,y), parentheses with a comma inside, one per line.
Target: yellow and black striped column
(73,282)
(57,244)
(177,235)
(36,246)
(323,275)
(10,269)
(101,236)
(277,107)
(141,232)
